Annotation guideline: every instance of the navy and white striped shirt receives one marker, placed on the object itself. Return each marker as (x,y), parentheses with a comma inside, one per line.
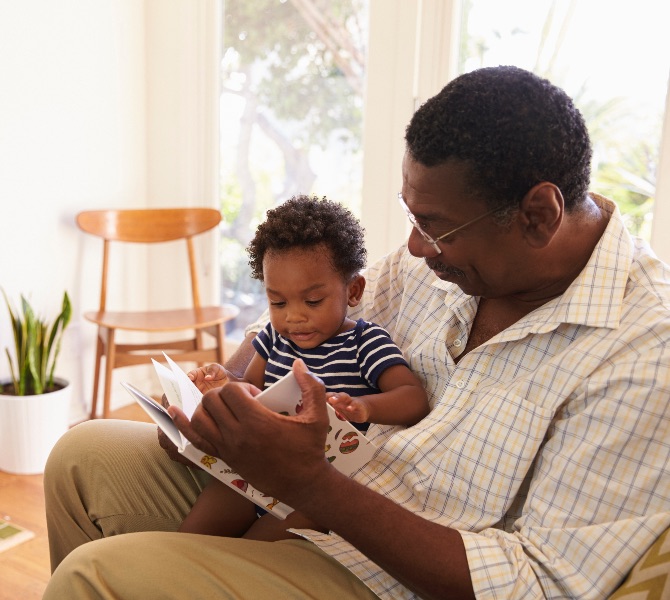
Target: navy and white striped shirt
(350,362)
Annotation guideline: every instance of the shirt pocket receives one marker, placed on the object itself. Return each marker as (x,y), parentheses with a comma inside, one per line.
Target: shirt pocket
(487,459)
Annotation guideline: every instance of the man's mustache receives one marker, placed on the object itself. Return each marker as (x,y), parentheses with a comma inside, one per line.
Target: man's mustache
(436,265)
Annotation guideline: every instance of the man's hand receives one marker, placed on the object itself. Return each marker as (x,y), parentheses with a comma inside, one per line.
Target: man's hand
(235,368)
(275,453)
(208,378)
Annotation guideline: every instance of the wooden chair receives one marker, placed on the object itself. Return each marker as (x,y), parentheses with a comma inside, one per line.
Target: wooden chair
(150,226)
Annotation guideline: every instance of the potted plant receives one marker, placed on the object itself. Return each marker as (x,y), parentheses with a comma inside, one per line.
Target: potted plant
(34,403)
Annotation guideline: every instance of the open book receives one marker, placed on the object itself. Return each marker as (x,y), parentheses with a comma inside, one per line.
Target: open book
(347,449)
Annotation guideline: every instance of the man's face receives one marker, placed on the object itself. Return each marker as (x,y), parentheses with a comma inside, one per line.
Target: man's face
(483,258)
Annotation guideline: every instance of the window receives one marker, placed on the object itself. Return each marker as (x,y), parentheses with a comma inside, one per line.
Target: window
(613,62)
(291,118)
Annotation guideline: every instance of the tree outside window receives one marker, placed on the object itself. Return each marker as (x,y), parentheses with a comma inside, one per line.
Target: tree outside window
(293,77)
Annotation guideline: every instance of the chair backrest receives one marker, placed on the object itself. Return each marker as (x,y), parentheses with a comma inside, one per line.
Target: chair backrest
(149,226)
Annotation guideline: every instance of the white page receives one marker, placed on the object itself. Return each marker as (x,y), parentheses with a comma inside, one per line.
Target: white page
(283,396)
(188,392)
(169,384)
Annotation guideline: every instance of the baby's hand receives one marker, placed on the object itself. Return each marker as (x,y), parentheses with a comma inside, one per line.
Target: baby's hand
(355,410)
(208,378)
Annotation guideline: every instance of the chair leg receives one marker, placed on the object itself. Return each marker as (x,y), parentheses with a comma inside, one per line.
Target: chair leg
(96,377)
(221,343)
(109,368)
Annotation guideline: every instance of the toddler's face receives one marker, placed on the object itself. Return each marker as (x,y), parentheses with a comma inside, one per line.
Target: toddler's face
(307,298)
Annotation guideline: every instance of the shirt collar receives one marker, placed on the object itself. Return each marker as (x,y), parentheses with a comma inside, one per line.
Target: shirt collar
(595,297)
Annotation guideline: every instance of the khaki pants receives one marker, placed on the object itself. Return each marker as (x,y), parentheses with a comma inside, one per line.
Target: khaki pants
(114,501)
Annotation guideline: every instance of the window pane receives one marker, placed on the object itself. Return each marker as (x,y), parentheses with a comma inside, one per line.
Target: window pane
(293,75)
(613,58)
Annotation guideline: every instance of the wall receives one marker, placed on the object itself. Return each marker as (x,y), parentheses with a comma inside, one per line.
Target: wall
(660,241)
(72,136)
(104,103)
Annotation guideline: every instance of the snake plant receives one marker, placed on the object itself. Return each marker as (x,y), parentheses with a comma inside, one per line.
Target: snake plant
(36,345)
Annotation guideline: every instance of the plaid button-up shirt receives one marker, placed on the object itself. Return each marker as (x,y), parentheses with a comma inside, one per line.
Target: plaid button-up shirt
(548,446)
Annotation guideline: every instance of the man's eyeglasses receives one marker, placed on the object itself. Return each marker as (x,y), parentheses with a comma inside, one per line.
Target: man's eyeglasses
(433,241)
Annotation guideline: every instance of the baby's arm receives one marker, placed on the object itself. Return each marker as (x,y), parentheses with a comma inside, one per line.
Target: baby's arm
(402,400)
(214,376)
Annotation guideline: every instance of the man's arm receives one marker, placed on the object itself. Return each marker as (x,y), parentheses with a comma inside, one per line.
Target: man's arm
(428,558)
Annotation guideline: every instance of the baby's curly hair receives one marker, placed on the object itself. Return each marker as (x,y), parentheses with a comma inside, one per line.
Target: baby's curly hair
(305,221)
(513,128)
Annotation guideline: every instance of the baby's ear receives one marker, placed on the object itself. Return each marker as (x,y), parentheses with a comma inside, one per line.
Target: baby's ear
(355,289)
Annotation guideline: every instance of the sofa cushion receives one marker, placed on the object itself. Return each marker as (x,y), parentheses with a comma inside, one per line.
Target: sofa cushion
(650,577)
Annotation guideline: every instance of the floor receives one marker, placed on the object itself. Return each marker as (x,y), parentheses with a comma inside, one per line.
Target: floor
(24,569)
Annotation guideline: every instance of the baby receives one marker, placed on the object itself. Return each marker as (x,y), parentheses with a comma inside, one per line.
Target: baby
(309,254)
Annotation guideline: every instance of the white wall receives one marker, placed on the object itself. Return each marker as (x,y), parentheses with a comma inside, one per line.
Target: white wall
(104,103)
(660,241)
(72,136)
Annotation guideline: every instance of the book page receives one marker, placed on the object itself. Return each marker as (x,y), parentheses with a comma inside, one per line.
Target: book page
(346,447)
(169,384)
(188,392)
(158,414)
(223,472)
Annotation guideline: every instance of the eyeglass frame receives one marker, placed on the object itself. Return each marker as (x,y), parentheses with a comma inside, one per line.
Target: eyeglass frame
(428,238)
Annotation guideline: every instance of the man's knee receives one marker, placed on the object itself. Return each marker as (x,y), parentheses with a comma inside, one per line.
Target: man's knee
(65,454)
(72,578)
(75,444)
(113,567)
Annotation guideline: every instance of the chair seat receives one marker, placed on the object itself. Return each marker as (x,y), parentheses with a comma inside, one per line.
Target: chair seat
(165,320)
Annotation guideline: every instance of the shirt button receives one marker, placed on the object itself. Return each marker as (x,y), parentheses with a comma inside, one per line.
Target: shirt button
(379,468)
(457,343)
(460,384)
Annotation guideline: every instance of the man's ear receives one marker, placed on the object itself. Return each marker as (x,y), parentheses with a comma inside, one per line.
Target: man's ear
(541,214)
(355,289)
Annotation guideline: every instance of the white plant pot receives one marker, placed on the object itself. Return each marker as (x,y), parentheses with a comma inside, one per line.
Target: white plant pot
(30,426)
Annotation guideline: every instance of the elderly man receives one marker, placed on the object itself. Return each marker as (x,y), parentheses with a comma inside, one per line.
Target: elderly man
(540,329)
